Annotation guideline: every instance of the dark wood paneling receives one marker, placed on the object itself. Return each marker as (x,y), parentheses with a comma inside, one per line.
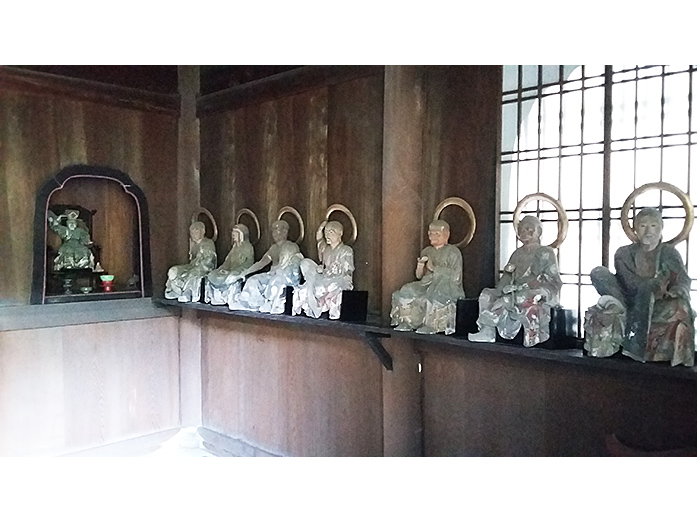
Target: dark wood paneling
(308,150)
(219,77)
(43,133)
(40,84)
(493,406)
(156,176)
(402,178)
(156,78)
(292,82)
(355,173)
(480,407)
(277,390)
(461,123)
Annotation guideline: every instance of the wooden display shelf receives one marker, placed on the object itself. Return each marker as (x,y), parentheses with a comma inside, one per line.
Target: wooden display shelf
(373,330)
(92,296)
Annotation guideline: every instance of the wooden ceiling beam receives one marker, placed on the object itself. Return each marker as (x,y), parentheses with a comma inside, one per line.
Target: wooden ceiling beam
(283,84)
(23,80)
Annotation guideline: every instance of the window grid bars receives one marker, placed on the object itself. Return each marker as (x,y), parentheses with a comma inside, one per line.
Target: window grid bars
(516,155)
(580,200)
(532,90)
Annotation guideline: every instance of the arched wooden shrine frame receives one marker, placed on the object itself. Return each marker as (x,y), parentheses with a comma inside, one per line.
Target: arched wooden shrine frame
(43,198)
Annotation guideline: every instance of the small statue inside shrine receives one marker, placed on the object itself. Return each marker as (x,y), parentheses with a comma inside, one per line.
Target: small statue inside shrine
(429,305)
(265,292)
(324,282)
(525,294)
(652,288)
(74,252)
(184,281)
(224,283)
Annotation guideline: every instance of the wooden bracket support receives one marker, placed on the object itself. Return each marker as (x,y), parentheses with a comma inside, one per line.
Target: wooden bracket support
(373,341)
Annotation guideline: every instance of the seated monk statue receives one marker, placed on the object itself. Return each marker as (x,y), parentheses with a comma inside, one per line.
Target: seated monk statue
(184,281)
(324,282)
(525,294)
(225,282)
(264,292)
(653,285)
(429,304)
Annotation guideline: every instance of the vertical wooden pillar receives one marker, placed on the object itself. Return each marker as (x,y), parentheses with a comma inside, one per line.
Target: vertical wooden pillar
(188,200)
(401,177)
(188,156)
(401,237)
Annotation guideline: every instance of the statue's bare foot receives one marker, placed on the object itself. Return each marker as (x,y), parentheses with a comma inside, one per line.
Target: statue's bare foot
(265,307)
(403,327)
(486,335)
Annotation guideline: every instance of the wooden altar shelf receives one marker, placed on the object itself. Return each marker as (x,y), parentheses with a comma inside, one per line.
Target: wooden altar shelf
(372,331)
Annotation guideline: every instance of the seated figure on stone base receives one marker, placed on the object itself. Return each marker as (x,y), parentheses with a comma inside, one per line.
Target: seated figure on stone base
(429,305)
(525,294)
(653,287)
(324,282)
(224,283)
(264,292)
(184,281)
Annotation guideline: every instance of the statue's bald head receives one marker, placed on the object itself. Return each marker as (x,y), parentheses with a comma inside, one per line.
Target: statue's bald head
(532,221)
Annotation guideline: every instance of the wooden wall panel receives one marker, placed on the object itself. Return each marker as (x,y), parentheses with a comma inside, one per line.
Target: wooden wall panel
(277,390)
(65,389)
(460,142)
(40,134)
(478,407)
(263,158)
(355,173)
(498,406)
(308,150)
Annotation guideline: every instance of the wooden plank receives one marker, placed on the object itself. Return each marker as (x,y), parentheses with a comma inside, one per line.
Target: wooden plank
(280,85)
(29,146)
(22,80)
(79,313)
(401,179)
(8,293)
(280,392)
(31,392)
(156,176)
(354,160)
(477,407)
(460,159)
(69,388)
(401,399)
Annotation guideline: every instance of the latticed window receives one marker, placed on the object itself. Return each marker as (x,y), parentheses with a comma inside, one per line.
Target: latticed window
(588,136)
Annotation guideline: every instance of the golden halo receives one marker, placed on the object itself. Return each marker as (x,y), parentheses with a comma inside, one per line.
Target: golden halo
(661,186)
(454,200)
(256,222)
(294,212)
(344,209)
(562,223)
(203,210)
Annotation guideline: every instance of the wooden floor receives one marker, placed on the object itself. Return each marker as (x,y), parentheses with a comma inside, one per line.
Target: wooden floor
(175,443)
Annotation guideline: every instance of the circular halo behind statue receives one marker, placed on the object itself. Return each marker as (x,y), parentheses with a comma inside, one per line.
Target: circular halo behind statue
(562,224)
(661,186)
(344,209)
(294,212)
(203,210)
(459,202)
(251,213)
